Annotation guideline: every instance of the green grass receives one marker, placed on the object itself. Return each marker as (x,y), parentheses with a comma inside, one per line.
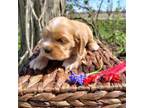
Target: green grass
(19,41)
(114,33)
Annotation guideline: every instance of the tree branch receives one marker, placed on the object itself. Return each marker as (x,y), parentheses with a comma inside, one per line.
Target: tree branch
(86,21)
(27,22)
(32,33)
(44,10)
(23,57)
(99,10)
(33,12)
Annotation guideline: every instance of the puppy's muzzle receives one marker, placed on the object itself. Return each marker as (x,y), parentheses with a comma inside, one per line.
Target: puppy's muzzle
(47,49)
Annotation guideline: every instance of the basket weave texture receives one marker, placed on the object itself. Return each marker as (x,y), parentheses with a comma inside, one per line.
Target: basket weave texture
(48,88)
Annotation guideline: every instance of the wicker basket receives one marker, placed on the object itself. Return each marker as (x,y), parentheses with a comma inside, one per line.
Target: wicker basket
(48,88)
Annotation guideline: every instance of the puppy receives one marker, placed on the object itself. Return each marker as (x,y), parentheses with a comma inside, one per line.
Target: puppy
(64,40)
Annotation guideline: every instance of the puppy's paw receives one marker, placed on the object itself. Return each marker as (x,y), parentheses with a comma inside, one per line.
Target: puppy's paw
(93,46)
(70,66)
(38,63)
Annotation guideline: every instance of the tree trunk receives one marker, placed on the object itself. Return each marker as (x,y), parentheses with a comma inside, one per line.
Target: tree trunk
(33,16)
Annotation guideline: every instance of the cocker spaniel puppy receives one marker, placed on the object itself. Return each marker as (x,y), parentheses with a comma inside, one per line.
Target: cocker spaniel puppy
(64,40)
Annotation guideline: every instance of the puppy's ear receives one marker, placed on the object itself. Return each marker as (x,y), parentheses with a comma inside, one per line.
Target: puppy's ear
(79,44)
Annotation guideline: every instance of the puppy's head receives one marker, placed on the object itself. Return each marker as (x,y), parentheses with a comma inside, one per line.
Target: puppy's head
(57,40)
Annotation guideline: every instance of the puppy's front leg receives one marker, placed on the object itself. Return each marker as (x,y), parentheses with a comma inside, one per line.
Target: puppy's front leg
(39,63)
(74,61)
(70,65)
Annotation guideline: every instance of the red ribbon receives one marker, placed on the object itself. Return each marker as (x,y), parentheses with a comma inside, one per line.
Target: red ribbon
(111,74)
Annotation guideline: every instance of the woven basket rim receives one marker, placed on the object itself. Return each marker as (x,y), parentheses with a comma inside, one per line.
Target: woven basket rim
(99,87)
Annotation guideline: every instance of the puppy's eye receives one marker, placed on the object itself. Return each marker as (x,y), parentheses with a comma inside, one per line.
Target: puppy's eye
(62,41)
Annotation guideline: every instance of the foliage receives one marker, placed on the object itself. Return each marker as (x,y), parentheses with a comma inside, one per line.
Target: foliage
(113,32)
(19,41)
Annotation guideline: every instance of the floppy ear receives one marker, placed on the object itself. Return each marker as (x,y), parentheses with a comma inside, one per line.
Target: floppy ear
(80,44)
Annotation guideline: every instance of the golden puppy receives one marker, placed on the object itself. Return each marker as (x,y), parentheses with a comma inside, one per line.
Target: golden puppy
(64,40)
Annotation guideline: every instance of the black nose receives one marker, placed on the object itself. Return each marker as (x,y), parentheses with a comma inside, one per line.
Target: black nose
(47,50)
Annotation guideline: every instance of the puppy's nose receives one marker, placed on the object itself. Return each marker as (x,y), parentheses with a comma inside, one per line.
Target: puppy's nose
(47,49)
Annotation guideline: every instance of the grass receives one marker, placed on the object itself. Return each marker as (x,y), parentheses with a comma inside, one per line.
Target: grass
(19,41)
(114,33)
